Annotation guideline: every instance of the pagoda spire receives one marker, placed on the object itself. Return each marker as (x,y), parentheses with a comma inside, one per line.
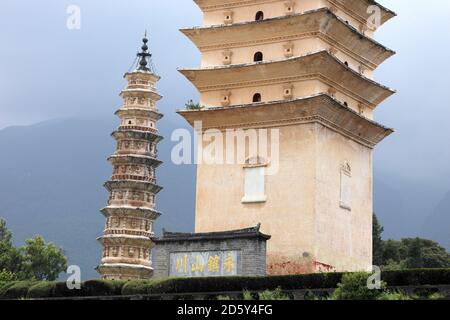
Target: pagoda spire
(144,56)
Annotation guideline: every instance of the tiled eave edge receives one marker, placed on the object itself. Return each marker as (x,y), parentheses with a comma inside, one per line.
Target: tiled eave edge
(323,53)
(324,36)
(387,13)
(336,117)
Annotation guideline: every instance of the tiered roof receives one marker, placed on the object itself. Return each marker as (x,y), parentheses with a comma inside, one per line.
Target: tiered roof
(318,108)
(320,65)
(321,23)
(327,24)
(356,8)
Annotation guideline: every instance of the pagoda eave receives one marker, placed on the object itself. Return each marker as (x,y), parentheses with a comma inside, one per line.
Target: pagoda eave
(320,65)
(131,211)
(134,159)
(125,271)
(320,22)
(123,239)
(141,112)
(137,134)
(142,74)
(357,8)
(138,91)
(134,185)
(125,265)
(320,108)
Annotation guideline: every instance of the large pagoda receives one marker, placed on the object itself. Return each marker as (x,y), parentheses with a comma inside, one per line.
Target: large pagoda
(130,214)
(305,68)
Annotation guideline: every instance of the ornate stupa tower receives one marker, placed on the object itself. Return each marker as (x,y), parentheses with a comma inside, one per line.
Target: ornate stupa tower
(304,68)
(130,214)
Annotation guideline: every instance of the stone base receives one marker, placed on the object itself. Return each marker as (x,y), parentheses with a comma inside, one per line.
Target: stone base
(215,254)
(124,272)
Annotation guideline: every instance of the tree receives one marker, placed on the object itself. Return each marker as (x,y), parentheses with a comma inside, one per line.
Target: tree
(34,261)
(7,276)
(414,253)
(41,261)
(392,252)
(409,253)
(422,253)
(10,258)
(377,231)
(353,286)
(5,233)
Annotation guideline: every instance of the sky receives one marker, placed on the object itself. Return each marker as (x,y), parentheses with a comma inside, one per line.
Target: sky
(48,71)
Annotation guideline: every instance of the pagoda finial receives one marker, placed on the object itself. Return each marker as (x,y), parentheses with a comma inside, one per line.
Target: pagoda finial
(144,55)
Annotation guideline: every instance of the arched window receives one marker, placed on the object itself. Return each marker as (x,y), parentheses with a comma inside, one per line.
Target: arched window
(257,97)
(258,57)
(259,16)
(346,63)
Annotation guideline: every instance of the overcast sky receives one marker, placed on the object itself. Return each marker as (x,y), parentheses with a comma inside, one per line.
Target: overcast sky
(48,71)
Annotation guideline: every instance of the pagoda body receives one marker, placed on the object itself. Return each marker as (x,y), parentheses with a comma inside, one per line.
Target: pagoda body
(130,214)
(305,68)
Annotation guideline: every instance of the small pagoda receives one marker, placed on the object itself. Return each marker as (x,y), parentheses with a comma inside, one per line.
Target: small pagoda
(127,240)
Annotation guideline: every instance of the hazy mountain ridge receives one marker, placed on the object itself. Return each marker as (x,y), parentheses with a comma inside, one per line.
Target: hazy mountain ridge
(51,177)
(437,226)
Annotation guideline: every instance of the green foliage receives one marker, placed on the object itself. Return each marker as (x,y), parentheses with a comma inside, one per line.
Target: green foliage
(394,295)
(96,288)
(5,233)
(5,286)
(18,290)
(419,294)
(43,261)
(61,290)
(350,286)
(42,290)
(34,261)
(354,287)
(137,287)
(417,277)
(276,294)
(248,296)
(10,257)
(92,288)
(422,253)
(377,241)
(436,296)
(7,276)
(216,284)
(272,295)
(409,253)
(190,105)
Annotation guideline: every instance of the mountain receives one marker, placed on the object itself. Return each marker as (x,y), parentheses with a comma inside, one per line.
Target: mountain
(437,226)
(51,177)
